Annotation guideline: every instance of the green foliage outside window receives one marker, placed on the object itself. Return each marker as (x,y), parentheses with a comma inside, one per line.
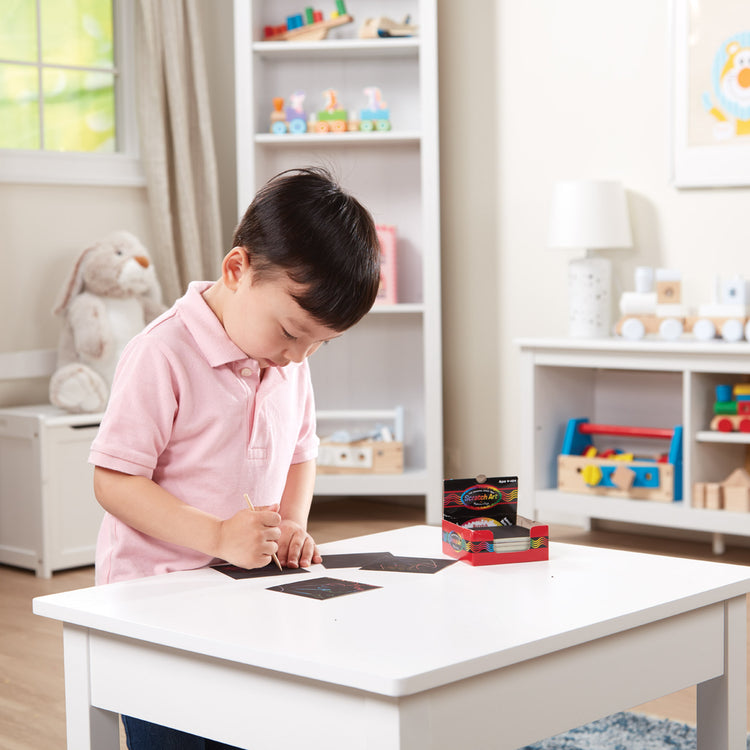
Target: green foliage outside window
(57,75)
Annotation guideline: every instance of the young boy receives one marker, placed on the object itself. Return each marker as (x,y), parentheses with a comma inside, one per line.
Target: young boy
(213,399)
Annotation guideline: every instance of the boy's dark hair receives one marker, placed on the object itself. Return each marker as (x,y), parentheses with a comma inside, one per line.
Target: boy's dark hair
(303,223)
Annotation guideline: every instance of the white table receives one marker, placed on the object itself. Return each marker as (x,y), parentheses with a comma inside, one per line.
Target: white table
(498,655)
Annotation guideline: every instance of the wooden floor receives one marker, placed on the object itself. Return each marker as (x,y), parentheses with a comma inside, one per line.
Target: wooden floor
(32,701)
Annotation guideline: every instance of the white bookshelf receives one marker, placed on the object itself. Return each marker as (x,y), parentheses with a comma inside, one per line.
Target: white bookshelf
(644,383)
(393,357)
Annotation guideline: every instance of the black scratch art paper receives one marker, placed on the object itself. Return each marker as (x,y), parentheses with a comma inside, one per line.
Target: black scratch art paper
(323,588)
(234,571)
(354,560)
(410,565)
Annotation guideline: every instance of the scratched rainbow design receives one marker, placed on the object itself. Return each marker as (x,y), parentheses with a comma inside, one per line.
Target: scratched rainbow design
(458,543)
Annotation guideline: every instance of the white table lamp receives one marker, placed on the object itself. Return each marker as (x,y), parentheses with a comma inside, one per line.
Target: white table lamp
(589,215)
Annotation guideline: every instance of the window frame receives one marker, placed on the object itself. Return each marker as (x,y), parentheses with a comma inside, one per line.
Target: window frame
(122,168)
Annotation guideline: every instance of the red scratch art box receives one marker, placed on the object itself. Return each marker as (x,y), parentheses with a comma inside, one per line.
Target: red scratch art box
(481,525)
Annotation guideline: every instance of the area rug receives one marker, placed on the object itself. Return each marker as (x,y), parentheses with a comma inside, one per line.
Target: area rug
(624,731)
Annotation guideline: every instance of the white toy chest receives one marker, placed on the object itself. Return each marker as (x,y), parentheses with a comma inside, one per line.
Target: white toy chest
(49,517)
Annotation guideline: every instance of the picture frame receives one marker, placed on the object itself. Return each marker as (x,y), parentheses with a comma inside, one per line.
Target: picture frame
(710,106)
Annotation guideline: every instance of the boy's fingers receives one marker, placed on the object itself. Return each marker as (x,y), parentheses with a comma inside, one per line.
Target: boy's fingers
(268,517)
(296,547)
(307,552)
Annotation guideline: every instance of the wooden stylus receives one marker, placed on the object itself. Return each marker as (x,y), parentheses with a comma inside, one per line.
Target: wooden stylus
(273,554)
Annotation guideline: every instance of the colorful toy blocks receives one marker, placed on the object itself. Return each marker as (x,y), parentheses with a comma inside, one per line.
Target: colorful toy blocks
(307,26)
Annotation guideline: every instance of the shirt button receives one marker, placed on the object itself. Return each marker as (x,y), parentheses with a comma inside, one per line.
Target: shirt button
(246,372)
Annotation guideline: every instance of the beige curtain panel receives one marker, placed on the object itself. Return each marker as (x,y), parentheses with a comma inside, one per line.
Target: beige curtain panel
(177,146)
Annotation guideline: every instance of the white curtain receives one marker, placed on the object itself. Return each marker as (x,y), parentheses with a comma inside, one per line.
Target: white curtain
(177,146)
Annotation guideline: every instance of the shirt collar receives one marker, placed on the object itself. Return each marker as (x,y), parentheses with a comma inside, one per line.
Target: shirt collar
(207,330)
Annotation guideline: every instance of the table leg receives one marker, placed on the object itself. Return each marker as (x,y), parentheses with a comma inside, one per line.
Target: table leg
(89,728)
(722,707)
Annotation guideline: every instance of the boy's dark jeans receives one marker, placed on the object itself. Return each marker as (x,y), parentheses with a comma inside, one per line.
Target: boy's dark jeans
(142,735)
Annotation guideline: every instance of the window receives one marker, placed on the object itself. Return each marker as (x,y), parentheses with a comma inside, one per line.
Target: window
(66,83)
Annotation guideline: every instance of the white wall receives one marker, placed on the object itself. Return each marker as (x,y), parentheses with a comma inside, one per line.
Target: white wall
(583,92)
(530,92)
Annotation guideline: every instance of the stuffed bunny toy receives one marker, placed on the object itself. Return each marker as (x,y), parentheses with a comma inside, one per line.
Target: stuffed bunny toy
(112,293)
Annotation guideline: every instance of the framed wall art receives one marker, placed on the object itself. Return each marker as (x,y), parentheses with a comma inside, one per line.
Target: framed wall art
(711,93)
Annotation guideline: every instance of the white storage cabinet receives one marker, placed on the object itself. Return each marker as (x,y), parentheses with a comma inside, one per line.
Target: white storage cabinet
(647,384)
(393,357)
(49,517)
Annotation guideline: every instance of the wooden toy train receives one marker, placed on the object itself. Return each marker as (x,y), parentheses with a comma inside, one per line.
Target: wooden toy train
(333,118)
(732,408)
(584,469)
(655,307)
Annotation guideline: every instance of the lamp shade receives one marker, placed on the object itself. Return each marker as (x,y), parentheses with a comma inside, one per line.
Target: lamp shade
(589,214)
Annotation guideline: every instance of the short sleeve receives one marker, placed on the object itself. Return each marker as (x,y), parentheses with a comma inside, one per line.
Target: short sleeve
(307,441)
(138,420)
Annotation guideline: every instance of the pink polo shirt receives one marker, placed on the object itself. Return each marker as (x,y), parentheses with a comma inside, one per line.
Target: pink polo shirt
(189,410)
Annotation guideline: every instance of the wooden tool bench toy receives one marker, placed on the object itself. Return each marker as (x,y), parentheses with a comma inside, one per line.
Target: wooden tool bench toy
(583,468)
(481,525)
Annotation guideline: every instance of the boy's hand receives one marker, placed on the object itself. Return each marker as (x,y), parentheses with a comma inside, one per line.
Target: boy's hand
(296,547)
(250,537)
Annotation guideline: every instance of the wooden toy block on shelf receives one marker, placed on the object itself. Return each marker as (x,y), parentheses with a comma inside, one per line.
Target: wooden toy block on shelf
(714,496)
(732,494)
(699,495)
(623,475)
(481,525)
